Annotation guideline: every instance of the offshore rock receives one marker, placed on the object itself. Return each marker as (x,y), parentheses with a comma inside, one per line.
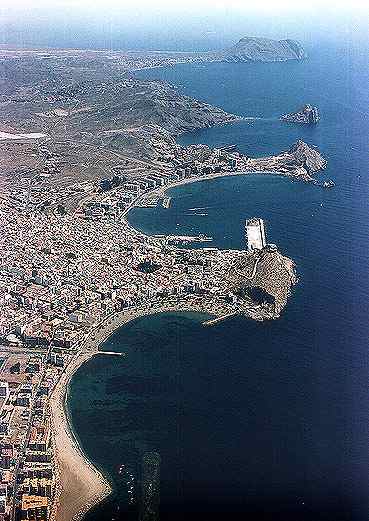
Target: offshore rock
(308,115)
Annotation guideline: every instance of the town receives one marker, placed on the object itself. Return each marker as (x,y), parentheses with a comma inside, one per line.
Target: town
(63,274)
(73,269)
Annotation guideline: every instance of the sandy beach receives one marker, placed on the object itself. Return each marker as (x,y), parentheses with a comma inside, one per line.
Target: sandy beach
(162,190)
(80,485)
(188,180)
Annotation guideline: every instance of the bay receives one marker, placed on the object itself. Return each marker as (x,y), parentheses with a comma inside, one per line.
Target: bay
(252,420)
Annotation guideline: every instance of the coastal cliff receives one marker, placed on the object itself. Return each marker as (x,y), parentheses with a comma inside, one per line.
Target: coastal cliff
(301,161)
(253,49)
(307,157)
(264,278)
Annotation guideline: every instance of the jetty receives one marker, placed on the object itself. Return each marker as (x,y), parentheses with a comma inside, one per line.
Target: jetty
(217,320)
(110,353)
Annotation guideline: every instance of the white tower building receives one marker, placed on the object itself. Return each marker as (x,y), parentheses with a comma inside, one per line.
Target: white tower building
(255,232)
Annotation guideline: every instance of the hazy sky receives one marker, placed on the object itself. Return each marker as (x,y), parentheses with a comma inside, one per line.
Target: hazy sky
(187,6)
(170,5)
(174,24)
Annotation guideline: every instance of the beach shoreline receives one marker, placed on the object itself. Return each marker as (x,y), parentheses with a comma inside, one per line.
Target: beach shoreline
(78,492)
(80,486)
(161,191)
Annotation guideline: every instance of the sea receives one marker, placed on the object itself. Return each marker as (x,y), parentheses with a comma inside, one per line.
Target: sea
(252,420)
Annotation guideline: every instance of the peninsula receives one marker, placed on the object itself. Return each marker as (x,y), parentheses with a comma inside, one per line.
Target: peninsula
(82,142)
(252,49)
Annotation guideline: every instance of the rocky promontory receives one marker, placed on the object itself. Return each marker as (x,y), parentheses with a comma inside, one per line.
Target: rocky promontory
(301,161)
(268,283)
(253,49)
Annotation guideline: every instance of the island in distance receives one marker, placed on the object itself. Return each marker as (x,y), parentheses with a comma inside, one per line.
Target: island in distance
(247,49)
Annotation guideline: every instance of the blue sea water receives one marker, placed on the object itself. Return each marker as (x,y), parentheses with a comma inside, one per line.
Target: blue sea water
(259,421)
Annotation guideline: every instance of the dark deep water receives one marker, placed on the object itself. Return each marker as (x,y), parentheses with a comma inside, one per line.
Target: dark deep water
(259,421)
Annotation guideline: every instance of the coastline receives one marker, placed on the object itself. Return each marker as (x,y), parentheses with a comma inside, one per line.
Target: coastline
(162,190)
(79,484)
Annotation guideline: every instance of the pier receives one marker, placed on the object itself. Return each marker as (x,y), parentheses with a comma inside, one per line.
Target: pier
(214,321)
(110,353)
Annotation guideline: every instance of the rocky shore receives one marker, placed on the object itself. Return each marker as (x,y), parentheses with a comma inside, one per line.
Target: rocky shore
(301,161)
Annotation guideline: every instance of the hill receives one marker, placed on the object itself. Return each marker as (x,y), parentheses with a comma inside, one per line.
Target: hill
(253,49)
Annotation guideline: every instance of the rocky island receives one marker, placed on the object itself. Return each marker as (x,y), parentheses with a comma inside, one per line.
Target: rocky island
(308,115)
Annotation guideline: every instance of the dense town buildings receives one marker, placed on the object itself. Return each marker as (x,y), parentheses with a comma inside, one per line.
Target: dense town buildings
(72,268)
